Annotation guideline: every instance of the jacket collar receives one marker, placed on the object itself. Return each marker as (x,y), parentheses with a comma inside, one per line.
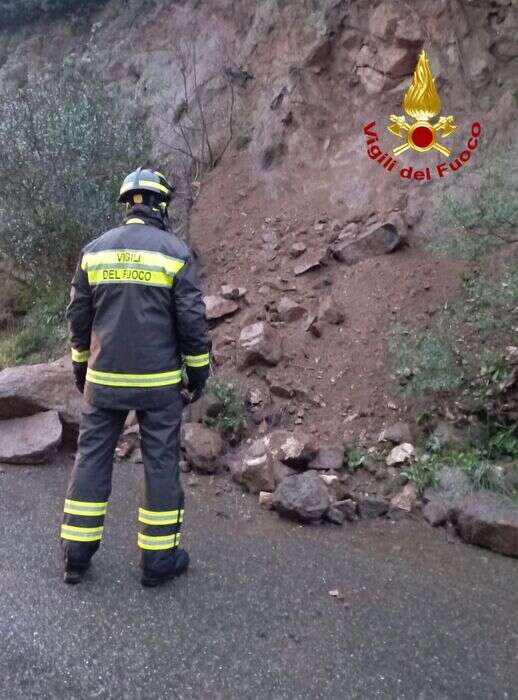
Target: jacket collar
(141,214)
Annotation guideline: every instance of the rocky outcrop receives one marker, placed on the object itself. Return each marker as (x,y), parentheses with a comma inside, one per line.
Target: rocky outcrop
(30,389)
(30,440)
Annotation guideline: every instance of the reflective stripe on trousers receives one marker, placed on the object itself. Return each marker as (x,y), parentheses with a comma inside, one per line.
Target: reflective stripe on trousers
(161,512)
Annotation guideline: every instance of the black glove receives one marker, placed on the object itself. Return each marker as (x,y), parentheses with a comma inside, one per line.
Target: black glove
(197,377)
(80,375)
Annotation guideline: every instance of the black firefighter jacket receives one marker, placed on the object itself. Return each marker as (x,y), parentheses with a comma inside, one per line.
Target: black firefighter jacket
(137,315)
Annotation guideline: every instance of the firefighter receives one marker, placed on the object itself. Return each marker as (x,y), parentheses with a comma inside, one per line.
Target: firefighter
(136,317)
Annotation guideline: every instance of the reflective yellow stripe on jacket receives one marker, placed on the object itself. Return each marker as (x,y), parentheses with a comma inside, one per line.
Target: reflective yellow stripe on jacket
(131,266)
(134,380)
(80,355)
(196,360)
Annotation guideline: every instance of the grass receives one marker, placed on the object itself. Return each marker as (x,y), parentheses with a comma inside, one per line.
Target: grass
(40,335)
(464,342)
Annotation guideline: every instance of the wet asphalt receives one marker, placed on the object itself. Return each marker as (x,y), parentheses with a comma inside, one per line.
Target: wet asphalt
(418,616)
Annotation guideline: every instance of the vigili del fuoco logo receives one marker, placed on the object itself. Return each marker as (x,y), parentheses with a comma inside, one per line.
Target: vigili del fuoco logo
(421,103)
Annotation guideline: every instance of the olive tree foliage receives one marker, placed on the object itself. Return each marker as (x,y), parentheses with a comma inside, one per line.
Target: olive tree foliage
(65,147)
(14,12)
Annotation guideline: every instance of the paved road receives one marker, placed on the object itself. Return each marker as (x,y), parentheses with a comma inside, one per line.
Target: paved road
(421,618)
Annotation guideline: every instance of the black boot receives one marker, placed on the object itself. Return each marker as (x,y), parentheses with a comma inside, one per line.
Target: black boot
(74,573)
(179,566)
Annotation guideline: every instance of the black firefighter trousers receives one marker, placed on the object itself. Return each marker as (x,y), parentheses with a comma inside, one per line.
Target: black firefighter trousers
(161,512)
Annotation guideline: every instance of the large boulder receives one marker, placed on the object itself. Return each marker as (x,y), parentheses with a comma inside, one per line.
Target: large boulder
(302,497)
(31,389)
(203,447)
(30,440)
(258,343)
(489,520)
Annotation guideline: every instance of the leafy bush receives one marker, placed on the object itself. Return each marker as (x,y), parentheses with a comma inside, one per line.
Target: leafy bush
(230,419)
(15,12)
(65,147)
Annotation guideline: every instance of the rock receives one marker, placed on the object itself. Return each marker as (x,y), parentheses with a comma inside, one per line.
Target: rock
(335,515)
(348,508)
(389,23)
(303,497)
(312,326)
(281,471)
(258,343)
(136,456)
(289,310)
(406,499)
(453,485)
(218,307)
(292,448)
(328,458)
(203,447)
(266,500)
(330,311)
(511,355)
(208,406)
(450,437)
(372,507)
(30,440)
(31,389)
(401,454)
(397,433)
(254,470)
(228,291)
(454,482)
(379,239)
(489,520)
(298,249)
(307,266)
(436,512)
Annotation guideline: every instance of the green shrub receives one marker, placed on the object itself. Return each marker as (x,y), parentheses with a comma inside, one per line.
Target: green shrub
(41,334)
(230,419)
(15,12)
(354,458)
(65,147)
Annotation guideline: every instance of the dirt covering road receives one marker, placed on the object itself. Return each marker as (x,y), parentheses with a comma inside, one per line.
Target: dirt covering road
(416,616)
